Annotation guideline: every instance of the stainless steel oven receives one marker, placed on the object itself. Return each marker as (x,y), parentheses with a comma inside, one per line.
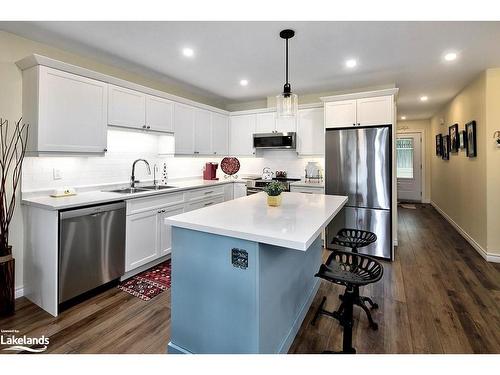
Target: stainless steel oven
(256,186)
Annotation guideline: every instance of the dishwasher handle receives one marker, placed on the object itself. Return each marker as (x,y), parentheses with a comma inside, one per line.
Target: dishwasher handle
(91,211)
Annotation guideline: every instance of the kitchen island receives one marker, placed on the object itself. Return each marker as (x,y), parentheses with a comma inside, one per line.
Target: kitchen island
(243,272)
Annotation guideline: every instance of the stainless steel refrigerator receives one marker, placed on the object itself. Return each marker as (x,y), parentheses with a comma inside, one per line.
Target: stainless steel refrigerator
(358,164)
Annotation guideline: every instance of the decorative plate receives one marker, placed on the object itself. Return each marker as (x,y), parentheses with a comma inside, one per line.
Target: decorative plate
(230,165)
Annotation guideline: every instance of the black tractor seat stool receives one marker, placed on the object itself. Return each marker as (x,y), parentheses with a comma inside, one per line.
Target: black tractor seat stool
(351,270)
(355,239)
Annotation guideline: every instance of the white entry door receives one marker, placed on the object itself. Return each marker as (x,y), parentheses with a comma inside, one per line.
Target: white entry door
(409,166)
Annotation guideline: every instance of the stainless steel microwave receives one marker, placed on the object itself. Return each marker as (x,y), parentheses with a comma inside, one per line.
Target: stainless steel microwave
(275,140)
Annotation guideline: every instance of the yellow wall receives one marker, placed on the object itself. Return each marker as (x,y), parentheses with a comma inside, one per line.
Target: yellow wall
(14,48)
(424,126)
(458,186)
(492,159)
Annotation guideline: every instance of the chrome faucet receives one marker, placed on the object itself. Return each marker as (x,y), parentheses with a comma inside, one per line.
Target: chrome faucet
(155,169)
(132,178)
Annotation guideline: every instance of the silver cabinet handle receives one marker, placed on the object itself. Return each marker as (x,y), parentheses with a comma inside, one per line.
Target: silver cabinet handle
(208,204)
(208,192)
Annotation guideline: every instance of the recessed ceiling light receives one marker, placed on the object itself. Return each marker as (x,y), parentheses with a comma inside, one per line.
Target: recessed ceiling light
(244,82)
(424,98)
(450,56)
(188,52)
(351,63)
(403,117)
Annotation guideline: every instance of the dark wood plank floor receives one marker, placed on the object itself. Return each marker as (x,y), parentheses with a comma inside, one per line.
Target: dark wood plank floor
(438,296)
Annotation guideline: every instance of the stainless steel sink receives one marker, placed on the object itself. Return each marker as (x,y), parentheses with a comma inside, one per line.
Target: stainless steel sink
(128,190)
(157,187)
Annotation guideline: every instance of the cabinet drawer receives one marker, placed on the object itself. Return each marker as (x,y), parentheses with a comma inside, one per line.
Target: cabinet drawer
(307,190)
(197,194)
(203,203)
(138,205)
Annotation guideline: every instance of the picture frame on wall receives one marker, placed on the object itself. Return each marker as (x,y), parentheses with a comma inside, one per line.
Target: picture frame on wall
(454,138)
(463,139)
(471,149)
(446,147)
(439,144)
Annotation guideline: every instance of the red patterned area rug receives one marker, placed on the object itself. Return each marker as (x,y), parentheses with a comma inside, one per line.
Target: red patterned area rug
(150,283)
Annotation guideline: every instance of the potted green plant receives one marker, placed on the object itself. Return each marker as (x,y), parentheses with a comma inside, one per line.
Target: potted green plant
(12,150)
(274,190)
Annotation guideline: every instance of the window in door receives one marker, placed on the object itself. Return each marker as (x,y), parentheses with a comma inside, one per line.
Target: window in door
(404,156)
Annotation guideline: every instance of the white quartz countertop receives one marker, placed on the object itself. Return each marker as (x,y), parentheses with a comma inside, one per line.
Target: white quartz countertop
(99,196)
(295,224)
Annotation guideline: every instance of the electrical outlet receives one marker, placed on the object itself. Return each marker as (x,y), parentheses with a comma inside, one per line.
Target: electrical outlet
(56,173)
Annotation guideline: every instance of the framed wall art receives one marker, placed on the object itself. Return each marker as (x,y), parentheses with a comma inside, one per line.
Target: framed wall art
(439,144)
(471,149)
(454,138)
(463,139)
(446,148)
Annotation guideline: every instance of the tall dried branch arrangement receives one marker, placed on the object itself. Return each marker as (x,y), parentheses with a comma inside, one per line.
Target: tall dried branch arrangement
(12,150)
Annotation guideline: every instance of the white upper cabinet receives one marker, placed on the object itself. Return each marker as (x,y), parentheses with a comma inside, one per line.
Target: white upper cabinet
(241,130)
(220,128)
(375,111)
(310,132)
(370,111)
(340,114)
(159,114)
(286,125)
(126,107)
(202,132)
(184,128)
(265,122)
(67,113)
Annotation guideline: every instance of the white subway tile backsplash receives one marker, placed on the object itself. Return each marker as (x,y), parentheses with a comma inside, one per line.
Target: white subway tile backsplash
(124,146)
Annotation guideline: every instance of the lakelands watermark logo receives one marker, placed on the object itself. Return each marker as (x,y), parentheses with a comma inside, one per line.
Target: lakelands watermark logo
(22,343)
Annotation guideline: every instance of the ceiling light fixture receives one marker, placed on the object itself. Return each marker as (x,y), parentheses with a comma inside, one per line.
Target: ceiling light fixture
(244,82)
(424,98)
(450,56)
(351,63)
(188,52)
(403,117)
(286,102)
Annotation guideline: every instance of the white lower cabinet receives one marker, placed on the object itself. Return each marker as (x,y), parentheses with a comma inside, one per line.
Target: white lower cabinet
(165,230)
(148,236)
(239,190)
(141,244)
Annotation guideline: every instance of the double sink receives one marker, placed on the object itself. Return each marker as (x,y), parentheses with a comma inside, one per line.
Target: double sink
(131,190)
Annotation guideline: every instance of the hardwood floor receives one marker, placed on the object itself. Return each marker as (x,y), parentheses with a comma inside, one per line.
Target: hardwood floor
(438,296)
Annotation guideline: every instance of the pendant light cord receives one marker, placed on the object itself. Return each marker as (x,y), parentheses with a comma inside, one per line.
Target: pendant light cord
(286,60)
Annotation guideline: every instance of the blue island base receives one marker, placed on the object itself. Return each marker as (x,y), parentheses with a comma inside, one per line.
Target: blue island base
(236,296)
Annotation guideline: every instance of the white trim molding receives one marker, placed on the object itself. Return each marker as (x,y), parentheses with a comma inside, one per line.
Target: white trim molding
(19,292)
(358,95)
(490,257)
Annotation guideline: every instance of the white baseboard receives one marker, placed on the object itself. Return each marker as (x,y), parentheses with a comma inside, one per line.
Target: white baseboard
(487,256)
(19,292)
(144,267)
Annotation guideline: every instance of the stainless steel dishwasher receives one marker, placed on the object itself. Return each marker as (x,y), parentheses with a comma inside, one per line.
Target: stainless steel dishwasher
(91,248)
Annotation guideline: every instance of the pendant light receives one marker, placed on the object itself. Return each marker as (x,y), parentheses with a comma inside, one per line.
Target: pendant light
(286,102)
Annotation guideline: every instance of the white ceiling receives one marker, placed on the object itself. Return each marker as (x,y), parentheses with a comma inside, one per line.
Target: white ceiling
(407,54)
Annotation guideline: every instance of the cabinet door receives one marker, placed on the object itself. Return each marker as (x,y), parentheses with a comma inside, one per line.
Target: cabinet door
(126,107)
(202,132)
(286,125)
(240,190)
(204,203)
(165,230)
(241,132)
(141,239)
(340,114)
(72,113)
(375,111)
(311,132)
(159,114)
(184,129)
(220,127)
(265,122)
